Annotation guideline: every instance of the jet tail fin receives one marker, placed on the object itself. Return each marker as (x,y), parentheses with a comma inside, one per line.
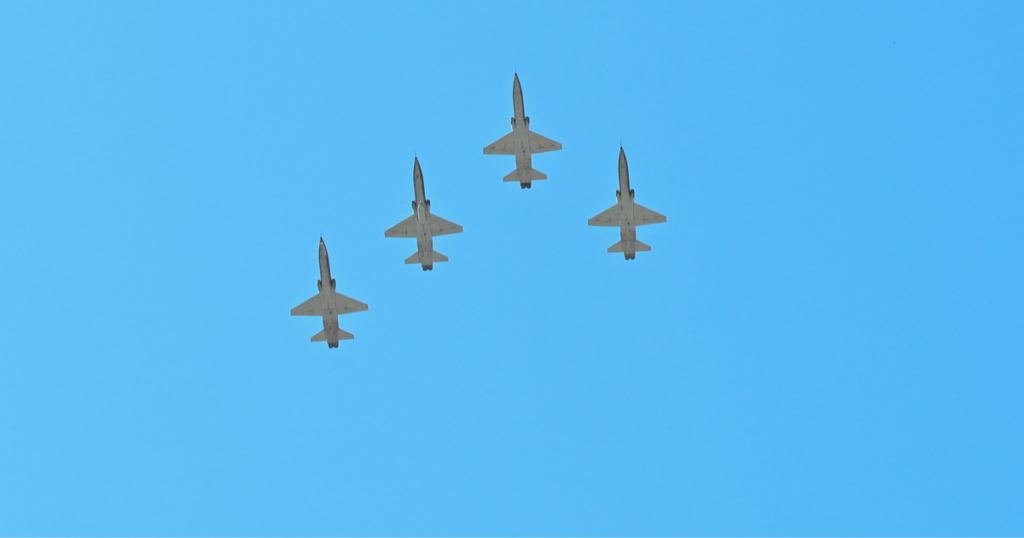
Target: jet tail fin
(322,336)
(525,175)
(638,247)
(432,257)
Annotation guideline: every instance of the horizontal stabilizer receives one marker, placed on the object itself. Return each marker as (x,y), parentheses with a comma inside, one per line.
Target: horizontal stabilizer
(622,246)
(428,257)
(525,175)
(322,336)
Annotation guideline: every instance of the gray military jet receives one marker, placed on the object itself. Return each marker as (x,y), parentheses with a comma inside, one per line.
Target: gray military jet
(423,225)
(328,303)
(522,142)
(627,215)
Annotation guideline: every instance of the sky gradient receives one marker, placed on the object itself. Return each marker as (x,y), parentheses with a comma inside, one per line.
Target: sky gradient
(826,338)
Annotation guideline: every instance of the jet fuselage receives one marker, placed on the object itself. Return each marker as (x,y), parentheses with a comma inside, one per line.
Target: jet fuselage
(522,143)
(326,285)
(627,223)
(517,104)
(328,304)
(626,214)
(421,208)
(423,225)
(623,177)
(325,267)
(520,128)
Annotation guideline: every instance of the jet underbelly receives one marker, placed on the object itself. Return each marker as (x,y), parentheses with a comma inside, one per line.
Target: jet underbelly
(422,226)
(425,242)
(330,323)
(627,222)
(328,305)
(421,218)
(523,142)
(523,154)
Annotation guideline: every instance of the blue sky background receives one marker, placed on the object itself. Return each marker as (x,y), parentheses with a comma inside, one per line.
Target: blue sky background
(825,340)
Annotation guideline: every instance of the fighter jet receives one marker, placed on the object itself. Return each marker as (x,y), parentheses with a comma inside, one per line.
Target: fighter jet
(328,303)
(423,225)
(522,142)
(627,215)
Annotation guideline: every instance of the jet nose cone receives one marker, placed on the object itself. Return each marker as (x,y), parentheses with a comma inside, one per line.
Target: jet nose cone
(416,166)
(515,81)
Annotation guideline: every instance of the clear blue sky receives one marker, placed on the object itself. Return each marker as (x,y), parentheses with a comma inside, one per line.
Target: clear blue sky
(827,338)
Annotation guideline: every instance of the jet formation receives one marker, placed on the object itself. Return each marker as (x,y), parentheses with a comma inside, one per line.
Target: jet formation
(522,142)
(627,215)
(423,225)
(329,304)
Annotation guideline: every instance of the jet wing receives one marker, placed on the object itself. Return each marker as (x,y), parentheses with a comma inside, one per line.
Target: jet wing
(439,226)
(642,215)
(501,146)
(540,144)
(312,307)
(342,305)
(608,217)
(347,305)
(406,228)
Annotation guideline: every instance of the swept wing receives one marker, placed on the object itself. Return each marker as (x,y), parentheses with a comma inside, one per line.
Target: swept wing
(608,217)
(642,215)
(540,144)
(502,146)
(439,226)
(406,228)
(341,305)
